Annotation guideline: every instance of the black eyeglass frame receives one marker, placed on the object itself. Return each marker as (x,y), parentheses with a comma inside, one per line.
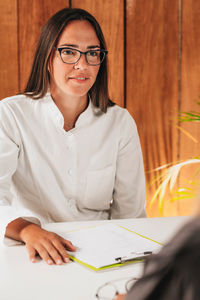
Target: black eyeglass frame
(105,52)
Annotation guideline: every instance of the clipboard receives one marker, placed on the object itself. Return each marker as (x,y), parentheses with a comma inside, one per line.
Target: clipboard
(109,245)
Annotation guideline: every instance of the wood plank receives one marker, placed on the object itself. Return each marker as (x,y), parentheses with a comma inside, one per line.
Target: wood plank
(32,16)
(110,15)
(152,80)
(8,49)
(190,87)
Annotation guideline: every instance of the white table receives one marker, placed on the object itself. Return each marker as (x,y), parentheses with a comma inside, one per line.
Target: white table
(22,280)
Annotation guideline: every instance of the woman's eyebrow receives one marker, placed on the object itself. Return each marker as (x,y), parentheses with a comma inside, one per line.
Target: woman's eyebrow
(92,47)
(76,46)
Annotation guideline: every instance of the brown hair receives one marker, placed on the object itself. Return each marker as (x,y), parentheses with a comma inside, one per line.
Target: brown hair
(39,78)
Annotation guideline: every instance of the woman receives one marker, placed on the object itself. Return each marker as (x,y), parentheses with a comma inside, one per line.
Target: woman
(67,152)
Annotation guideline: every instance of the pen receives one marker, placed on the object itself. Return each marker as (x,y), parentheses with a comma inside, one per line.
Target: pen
(124,259)
(145,252)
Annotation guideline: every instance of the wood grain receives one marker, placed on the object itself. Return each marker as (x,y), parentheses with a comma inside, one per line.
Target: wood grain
(190,74)
(190,83)
(152,79)
(32,16)
(8,49)
(110,15)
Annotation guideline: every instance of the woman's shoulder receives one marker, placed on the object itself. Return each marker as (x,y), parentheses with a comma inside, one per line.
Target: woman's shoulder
(21,103)
(13,100)
(120,113)
(17,106)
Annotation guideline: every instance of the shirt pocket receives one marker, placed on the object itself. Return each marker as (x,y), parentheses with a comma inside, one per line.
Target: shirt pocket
(99,188)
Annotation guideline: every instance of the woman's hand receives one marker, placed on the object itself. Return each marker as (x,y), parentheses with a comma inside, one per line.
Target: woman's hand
(48,245)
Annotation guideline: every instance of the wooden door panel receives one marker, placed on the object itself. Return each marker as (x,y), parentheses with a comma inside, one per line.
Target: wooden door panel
(9,78)
(152,78)
(190,90)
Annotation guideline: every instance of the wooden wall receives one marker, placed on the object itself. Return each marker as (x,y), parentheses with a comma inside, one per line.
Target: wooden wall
(154,67)
(152,70)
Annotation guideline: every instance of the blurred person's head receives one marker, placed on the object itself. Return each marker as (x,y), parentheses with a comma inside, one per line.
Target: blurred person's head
(173,273)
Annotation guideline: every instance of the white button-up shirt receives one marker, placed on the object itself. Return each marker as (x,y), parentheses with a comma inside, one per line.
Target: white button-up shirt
(50,175)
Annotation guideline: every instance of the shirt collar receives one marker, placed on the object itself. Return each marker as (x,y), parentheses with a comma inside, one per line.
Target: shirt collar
(57,116)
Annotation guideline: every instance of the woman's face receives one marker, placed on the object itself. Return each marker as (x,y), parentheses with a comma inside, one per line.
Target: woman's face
(74,79)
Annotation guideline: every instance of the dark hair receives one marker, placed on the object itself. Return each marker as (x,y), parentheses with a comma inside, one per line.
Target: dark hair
(174,272)
(39,78)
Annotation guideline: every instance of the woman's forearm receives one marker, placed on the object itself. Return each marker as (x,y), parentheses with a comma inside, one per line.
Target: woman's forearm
(15,228)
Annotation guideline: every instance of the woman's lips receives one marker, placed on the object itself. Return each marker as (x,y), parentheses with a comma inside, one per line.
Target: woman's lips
(79,79)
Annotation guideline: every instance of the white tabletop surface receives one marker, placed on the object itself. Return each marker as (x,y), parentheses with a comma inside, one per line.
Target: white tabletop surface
(22,280)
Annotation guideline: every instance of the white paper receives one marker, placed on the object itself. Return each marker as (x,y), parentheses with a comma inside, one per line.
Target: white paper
(99,246)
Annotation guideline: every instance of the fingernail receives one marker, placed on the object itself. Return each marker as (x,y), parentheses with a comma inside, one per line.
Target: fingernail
(49,262)
(58,262)
(33,260)
(66,259)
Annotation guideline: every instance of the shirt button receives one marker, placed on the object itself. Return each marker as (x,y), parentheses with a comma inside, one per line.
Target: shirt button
(70,172)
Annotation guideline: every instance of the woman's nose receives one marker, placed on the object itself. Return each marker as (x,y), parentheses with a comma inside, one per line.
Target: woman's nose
(81,63)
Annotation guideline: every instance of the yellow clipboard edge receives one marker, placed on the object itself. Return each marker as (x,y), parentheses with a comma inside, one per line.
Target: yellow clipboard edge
(140,235)
(106,267)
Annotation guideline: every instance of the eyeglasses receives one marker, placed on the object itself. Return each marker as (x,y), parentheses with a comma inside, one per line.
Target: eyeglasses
(111,289)
(72,56)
